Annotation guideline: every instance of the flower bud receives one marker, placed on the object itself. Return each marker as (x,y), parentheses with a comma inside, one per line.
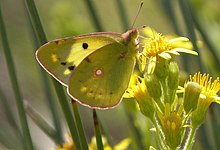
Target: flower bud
(191,96)
(153,86)
(161,69)
(173,76)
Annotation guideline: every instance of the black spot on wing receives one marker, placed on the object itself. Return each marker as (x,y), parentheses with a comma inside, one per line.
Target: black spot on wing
(71,68)
(85,45)
(63,63)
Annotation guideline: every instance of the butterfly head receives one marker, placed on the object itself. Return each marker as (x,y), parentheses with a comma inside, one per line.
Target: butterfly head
(131,36)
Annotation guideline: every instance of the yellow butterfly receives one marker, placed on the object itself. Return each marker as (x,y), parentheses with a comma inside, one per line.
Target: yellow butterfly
(96,68)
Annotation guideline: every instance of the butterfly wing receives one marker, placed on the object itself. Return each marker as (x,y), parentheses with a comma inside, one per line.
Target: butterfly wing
(60,57)
(101,79)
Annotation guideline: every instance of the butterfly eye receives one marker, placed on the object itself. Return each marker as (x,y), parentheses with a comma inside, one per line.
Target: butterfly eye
(85,45)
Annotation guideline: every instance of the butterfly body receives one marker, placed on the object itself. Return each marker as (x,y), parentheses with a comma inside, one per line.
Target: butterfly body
(96,68)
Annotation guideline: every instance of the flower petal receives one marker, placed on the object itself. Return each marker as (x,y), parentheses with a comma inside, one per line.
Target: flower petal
(179,39)
(165,55)
(152,65)
(183,50)
(173,52)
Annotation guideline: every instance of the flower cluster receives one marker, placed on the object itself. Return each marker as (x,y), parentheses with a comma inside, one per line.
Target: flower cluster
(156,91)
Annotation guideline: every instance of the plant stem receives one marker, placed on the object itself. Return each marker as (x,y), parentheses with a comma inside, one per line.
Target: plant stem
(190,140)
(159,135)
(58,88)
(97,131)
(15,86)
(79,125)
(41,123)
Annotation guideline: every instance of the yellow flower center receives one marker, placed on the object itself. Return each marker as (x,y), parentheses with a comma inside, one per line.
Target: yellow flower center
(156,45)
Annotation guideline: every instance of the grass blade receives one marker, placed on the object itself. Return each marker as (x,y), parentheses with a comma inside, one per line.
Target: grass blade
(79,125)
(58,88)
(15,86)
(8,111)
(48,92)
(97,131)
(41,123)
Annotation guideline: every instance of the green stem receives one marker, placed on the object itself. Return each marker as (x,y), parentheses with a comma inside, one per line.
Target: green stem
(160,104)
(8,111)
(41,123)
(105,132)
(159,135)
(97,131)
(15,86)
(10,116)
(190,140)
(79,125)
(58,139)
(68,114)
(165,91)
(58,88)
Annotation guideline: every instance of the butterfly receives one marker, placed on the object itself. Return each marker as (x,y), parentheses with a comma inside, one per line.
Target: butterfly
(96,68)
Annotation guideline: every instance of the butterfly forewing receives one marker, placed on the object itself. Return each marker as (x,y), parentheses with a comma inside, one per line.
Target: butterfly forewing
(101,79)
(60,57)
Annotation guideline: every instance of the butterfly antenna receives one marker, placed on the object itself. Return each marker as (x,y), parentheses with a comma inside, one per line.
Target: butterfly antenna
(137,14)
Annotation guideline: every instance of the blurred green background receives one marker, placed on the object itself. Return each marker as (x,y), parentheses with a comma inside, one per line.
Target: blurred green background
(64,18)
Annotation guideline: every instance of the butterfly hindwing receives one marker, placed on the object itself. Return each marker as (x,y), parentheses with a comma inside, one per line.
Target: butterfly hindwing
(101,79)
(60,57)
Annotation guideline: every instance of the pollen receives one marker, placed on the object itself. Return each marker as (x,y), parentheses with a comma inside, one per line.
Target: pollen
(156,45)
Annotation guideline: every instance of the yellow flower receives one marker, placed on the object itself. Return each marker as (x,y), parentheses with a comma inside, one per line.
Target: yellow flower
(173,124)
(120,146)
(68,145)
(209,88)
(156,45)
(137,89)
(208,95)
